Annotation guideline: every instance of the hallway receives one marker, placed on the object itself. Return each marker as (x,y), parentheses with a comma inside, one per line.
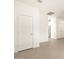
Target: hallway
(54,49)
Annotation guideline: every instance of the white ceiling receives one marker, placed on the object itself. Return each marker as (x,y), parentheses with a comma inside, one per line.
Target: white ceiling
(57,6)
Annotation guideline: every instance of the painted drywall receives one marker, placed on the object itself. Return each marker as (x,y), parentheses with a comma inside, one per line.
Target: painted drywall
(57,6)
(43,26)
(47,5)
(60,28)
(23,9)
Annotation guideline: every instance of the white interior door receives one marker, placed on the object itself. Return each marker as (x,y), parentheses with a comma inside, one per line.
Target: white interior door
(25,32)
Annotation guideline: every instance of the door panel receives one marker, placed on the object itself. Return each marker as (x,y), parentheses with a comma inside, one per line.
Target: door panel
(25,32)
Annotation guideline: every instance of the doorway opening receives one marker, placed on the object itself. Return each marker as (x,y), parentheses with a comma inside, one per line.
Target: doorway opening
(49,27)
(52,26)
